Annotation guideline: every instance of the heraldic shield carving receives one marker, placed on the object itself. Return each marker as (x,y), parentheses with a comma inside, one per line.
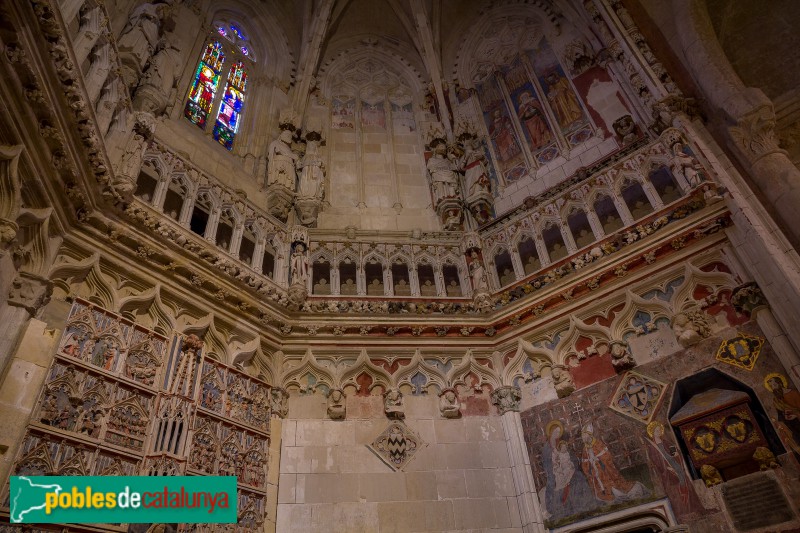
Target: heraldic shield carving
(396,445)
(638,396)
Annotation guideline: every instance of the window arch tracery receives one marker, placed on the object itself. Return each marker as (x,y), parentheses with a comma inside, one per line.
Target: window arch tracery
(204,98)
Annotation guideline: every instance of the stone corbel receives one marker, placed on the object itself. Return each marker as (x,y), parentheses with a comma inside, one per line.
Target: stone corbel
(30,292)
(748,298)
(507,399)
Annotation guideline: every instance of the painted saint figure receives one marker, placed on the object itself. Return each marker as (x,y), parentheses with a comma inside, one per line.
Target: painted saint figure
(787,403)
(567,493)
(531,116)
(604,478)
(676,483)
(563,100)
(502,133)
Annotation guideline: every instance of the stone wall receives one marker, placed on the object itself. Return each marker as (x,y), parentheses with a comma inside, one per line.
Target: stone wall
(330,480)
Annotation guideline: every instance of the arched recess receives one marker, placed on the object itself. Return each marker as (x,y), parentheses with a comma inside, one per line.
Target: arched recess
(148,310)
(378,377)
(308,375)
(373,114)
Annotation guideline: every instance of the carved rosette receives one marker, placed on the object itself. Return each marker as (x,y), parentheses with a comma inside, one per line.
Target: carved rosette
(507,399)
(748,298)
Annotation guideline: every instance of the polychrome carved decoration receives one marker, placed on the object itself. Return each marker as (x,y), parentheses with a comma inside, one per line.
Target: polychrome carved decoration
(741,351)
(396,445)
(638,396)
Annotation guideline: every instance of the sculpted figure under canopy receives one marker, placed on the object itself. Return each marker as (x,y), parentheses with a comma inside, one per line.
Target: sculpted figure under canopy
(282,161)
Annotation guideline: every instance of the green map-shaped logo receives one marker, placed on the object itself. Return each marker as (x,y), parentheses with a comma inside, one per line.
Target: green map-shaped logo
(28,498)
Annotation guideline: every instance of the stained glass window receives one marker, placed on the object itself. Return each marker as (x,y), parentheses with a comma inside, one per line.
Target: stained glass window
(238,32)
(230,111)
(204,87)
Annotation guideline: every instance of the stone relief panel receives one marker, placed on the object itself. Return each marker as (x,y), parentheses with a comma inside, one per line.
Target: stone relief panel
(114,402)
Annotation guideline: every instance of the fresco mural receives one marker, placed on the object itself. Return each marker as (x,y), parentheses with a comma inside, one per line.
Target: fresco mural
(589,459)
(502,136)
(530,111)
(343,111)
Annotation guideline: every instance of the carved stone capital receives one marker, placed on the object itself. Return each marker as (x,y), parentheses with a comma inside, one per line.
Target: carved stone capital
(507,399)
(30,292)
(754,134)
(748,298)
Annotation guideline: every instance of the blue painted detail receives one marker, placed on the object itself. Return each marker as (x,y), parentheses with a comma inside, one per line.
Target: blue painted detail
(419,381)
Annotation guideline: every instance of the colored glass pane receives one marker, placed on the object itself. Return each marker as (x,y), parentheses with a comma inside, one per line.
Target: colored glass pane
(222,31)
(230,110)
(204,86)
(238,33)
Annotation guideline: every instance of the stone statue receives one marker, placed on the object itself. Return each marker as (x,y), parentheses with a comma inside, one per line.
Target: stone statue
(140,37)
(393,404)
(336,405)
(157,87)
(449,405)
(685,166)
(282,161)
(474,166)
(477,274)
(299,265)
(444,179)
(312,172)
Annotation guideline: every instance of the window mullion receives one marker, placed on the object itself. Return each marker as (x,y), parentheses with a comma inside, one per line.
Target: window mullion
(555,127)
(521,139)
